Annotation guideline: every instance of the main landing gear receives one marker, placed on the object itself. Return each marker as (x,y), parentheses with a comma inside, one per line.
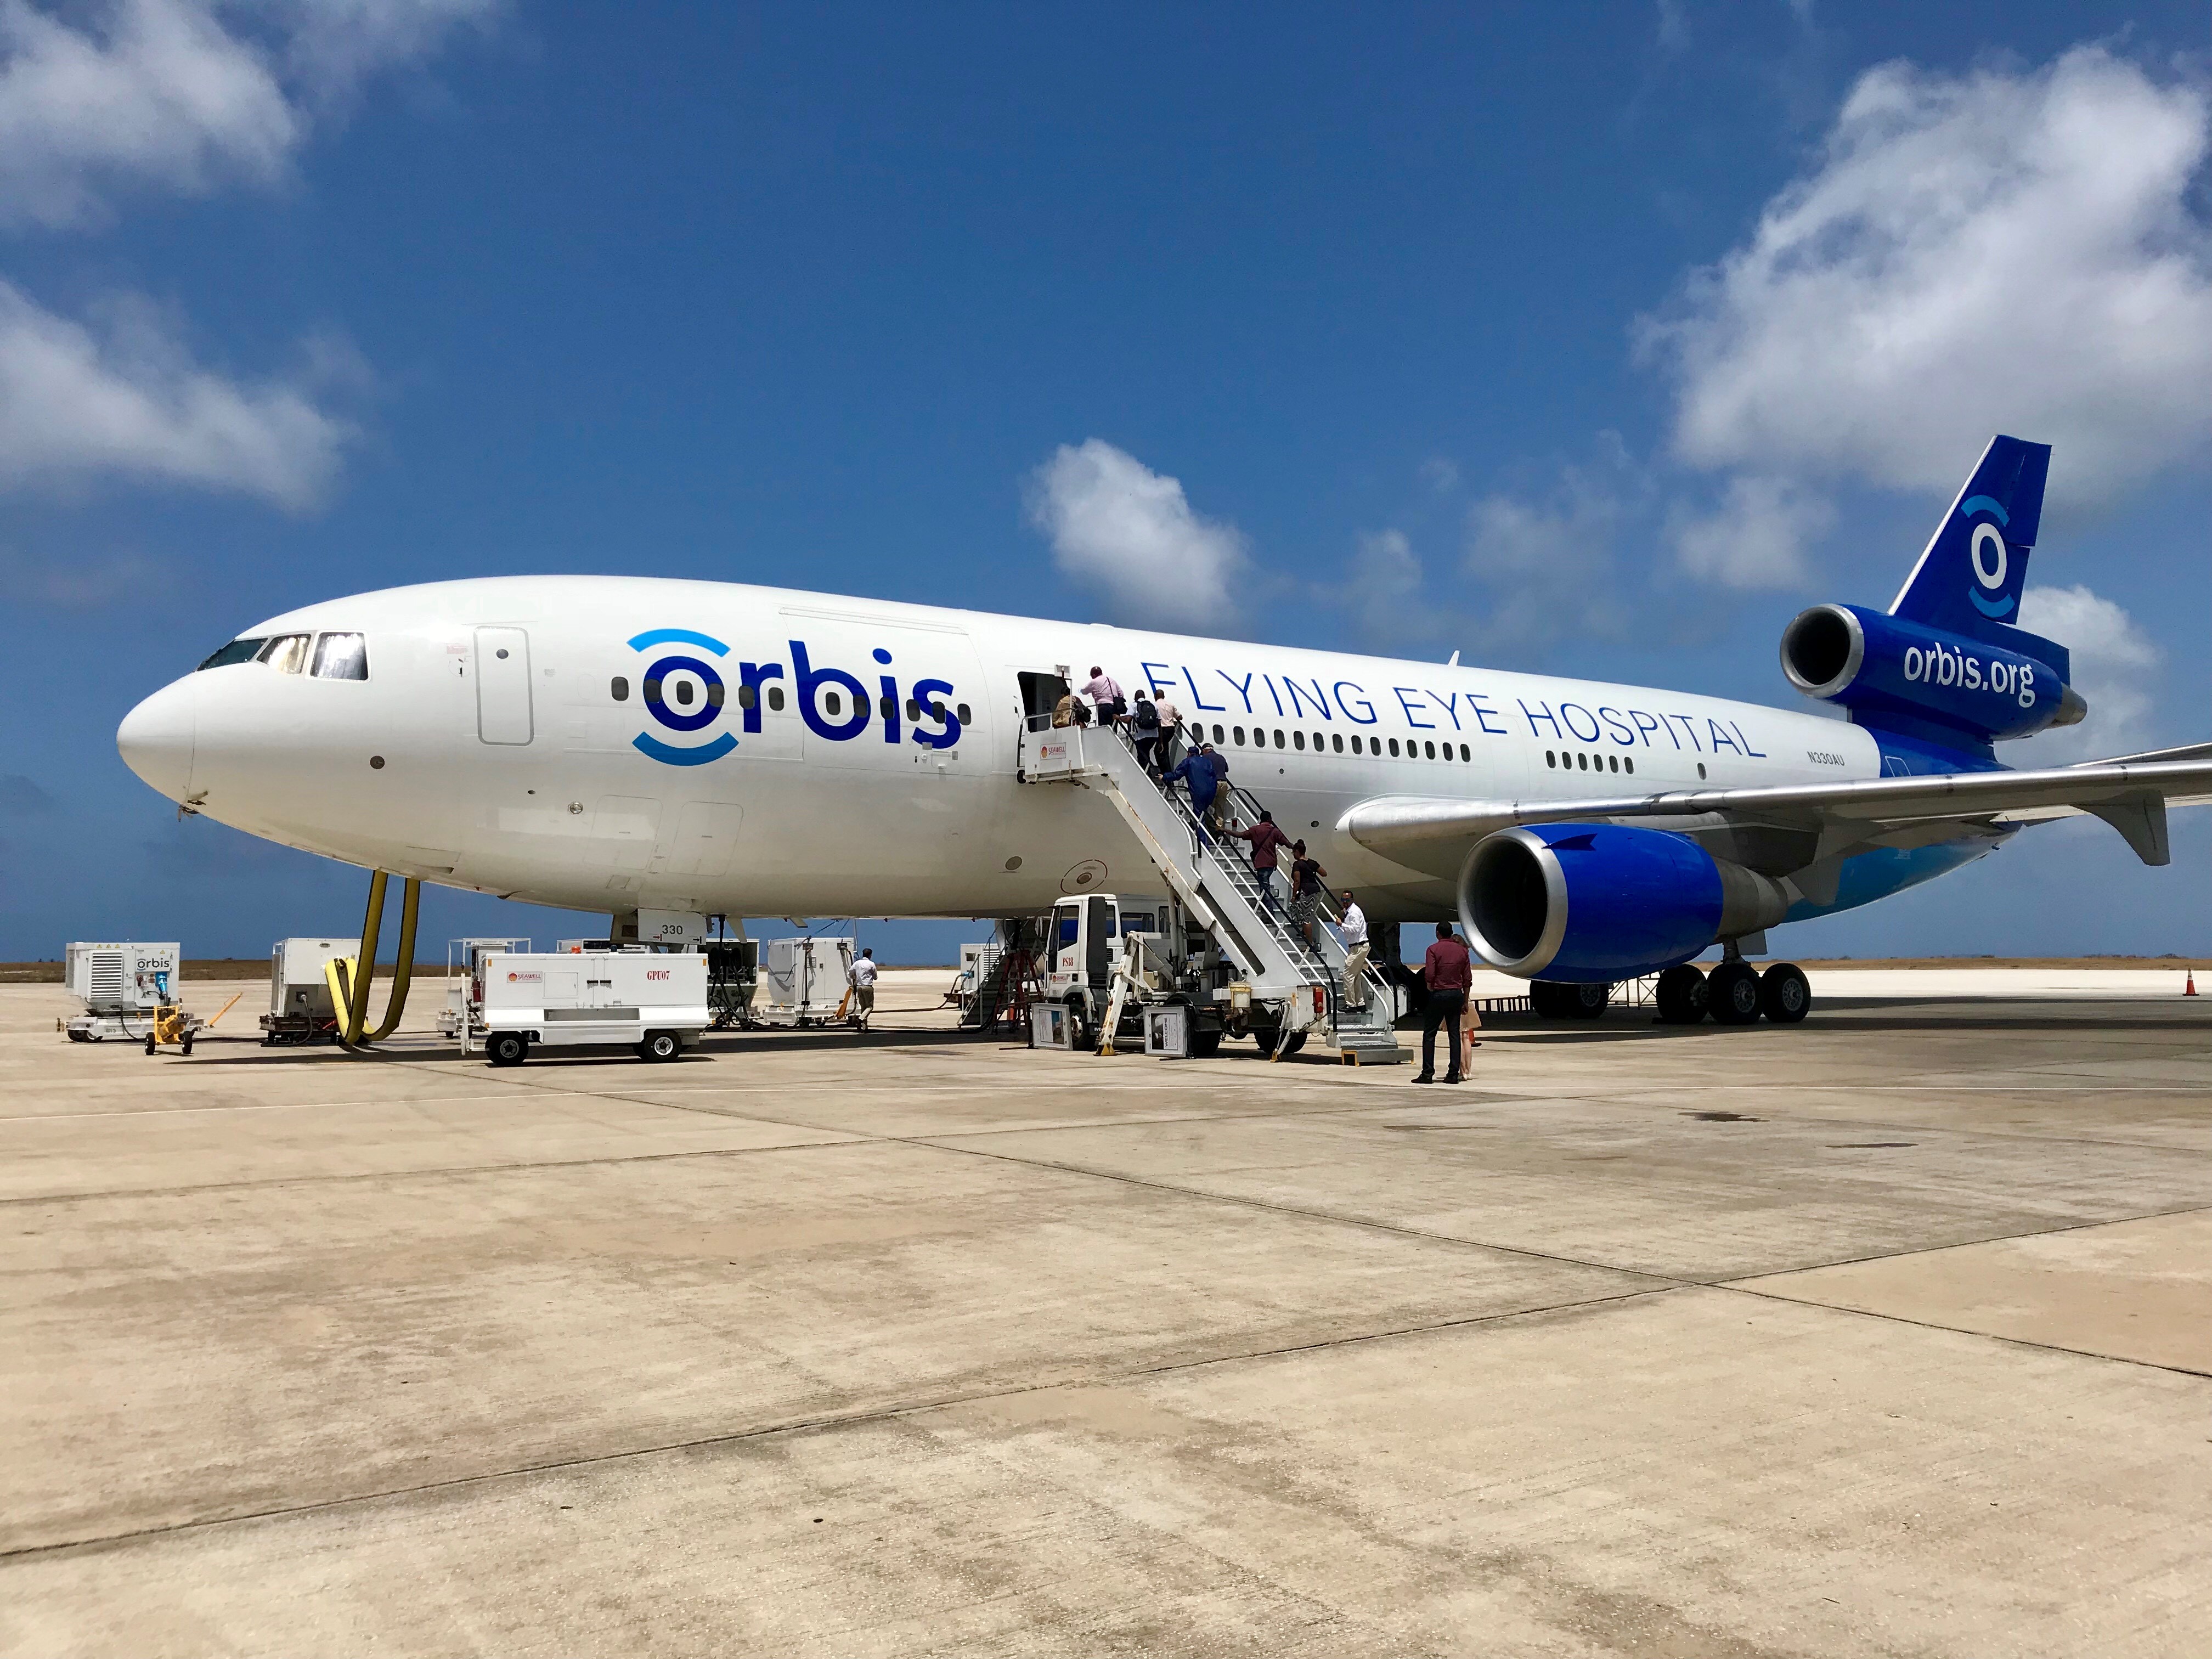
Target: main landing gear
(1735,993)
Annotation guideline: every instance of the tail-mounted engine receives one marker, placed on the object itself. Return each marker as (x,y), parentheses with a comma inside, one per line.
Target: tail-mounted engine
(1881,667)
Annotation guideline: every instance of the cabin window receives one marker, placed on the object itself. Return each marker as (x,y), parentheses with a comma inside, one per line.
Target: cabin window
(832,703)
(684,694)
(1629,765)
(1240,733)
(912,709)
(1550,759)
(236,651)
(619,688)
(937,711)
(1582,760)
(1701,769)
(1216,734)
(341,657)
(1465,753)
(1430,750)
(287,653)
(776,698)
(962,710)
(1336,741)
(1613,763)
(1394,749)
(748,697)
(1297,740)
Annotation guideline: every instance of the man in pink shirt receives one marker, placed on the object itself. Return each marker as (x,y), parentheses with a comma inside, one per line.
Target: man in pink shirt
(1448,971)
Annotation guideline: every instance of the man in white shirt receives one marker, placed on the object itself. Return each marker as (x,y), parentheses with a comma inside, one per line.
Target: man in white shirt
(1353,926)
(863,976)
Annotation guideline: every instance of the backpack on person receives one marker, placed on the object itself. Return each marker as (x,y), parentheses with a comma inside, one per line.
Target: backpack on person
(1147,717)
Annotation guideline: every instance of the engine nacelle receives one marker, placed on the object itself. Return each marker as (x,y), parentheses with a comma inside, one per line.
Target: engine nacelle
(1595,903)
(1878,665)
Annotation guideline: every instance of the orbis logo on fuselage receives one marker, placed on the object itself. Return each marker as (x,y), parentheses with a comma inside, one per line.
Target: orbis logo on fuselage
(683,693)
(686,694)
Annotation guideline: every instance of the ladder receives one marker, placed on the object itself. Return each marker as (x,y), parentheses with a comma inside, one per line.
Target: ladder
(1214,878)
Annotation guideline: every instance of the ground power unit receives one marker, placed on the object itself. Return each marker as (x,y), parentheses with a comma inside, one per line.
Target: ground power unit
(300,1007)
(652,1001)
(121,985)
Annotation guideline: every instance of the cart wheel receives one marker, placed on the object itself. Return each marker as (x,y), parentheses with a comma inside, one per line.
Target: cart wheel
(150,1045)
(659,1046)
(507,1048)
(187,1046)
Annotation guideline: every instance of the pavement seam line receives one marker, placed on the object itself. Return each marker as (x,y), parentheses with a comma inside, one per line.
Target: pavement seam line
(831,1421)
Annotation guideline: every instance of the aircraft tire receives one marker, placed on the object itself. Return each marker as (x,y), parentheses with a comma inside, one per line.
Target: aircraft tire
(1682,995)
(1588,1002)
(1547,998)
(507,1048)
(1785,995)
(1733,989)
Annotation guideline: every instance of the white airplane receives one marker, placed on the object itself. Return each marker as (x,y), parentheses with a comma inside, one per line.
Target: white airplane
(615,743)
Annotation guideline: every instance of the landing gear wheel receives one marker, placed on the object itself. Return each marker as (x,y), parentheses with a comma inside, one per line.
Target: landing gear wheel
(659,1045)
(507,1048)
(1734,990)
(1547,999)
(1784,997)
(1681,994)
(1588,1002)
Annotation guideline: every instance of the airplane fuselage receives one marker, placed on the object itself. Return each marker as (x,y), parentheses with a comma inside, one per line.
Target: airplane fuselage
(609,744)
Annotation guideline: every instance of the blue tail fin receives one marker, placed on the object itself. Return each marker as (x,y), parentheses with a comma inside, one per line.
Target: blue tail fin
(1972,574)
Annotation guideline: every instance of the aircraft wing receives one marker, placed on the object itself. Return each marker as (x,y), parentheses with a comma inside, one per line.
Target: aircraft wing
(1784,828)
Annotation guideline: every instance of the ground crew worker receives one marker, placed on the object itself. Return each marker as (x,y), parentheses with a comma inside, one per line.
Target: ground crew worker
(1353,924)
(1196,772)
(862,974)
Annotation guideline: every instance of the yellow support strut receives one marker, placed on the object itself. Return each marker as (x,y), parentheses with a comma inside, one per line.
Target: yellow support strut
(354,996)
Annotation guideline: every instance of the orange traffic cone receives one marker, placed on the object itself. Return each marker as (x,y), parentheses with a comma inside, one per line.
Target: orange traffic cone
(2189,989)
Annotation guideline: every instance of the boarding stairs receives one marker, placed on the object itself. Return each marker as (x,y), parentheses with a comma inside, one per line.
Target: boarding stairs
(1214,879)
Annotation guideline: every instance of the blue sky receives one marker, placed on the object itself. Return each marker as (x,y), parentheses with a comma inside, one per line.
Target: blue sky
(1600,340)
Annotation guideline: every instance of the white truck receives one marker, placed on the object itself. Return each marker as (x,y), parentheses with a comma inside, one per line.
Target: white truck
(654,1001)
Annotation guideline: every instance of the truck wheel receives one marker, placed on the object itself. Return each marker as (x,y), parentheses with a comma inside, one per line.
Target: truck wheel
(1681,994)
(659,1045)
(1205,1045)
(1735,993)
(1291,1044)
(507,1048)
(1784,996)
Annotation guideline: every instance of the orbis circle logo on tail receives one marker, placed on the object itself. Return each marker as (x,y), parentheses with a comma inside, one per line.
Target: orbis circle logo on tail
(1987,552)
(684,694)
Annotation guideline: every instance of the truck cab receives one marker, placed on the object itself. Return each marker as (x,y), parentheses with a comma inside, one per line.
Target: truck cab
(1086,941)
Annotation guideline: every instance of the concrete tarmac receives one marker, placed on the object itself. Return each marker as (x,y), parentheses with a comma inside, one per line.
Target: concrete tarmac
(1890,1333)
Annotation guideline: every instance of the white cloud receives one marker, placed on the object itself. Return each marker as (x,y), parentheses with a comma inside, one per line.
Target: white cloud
(1440,474)
(2112,663)
(166,93)
(130,400)
(2018,252)
(1757,538)
(1547,559)
(1120,527)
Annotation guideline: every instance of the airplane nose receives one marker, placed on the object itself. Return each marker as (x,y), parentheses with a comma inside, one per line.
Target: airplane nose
(157,738)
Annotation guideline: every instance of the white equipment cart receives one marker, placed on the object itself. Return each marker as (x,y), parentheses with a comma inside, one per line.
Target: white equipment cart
(121,985)
(804,979)
(654,1001)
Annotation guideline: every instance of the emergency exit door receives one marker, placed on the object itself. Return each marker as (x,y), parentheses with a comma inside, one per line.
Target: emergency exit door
(503,686)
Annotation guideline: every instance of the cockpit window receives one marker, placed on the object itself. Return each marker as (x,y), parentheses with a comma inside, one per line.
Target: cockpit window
(342,657)
(287,653)
(236,651)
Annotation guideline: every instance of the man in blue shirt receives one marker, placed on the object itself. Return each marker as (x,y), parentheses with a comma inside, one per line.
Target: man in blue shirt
(1200,771)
